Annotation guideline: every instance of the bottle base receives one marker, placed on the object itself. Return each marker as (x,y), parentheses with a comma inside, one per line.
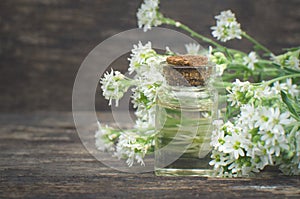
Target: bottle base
(184,172)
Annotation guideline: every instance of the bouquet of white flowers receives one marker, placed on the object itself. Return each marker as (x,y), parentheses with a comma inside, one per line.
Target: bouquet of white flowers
(261,125)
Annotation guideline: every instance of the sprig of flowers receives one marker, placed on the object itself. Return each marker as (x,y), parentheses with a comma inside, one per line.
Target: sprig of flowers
(148,15)
(106,138)
(114,85)
(129,145)
(227,28)
(289,59)
(260,135)
(133,144)
(262,122)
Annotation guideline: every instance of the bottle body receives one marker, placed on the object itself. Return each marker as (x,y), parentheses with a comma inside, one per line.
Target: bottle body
(184,119)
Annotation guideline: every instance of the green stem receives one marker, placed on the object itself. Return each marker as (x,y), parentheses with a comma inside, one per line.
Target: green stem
(203,38)
(222,84)
(199,36)
(281,78)
(263,61)
(251,39)
(192,32)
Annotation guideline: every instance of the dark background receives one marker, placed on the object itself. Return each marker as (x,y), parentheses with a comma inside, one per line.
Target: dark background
(43,42)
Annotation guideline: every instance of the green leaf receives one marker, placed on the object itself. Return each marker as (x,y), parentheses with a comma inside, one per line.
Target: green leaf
(276,65)
(288,102)
(228,54)
(291,70)
(292,49)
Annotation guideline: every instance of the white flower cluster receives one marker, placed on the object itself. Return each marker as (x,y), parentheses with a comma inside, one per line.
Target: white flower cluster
(106,138)
(227,27)
(143,61)
(143,99)
(289,59)
(148,15)
(129,145)
(245,92)
(133,147)
(263,133)
(114,85)
(265,129)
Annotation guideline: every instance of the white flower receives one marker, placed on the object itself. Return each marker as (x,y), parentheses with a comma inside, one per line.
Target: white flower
(226,17)
(144,61)
(241,86)
(138,57)
(154,68)
(227,27)
(145,93)
(281,143)
(143,99)
(291,88)
(277,87)
(239,92)
(268,137)
(218,159)
(247,115)
(293,62)
(148,15)
(114,85)
(263,92)
(277,120)
(145,117)
(224,33)
(250,60)
(260,157)
(217,138)
(105,138)
(236,169)
(192,48)
(234,145)
(271,129)
(262,119)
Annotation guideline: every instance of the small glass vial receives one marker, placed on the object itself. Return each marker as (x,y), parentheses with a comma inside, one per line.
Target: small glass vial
(186,107)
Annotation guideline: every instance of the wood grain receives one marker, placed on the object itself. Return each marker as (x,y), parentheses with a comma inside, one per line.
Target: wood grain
(43,42)
(41,156)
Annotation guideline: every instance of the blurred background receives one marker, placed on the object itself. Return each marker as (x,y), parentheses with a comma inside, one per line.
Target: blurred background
(43,42)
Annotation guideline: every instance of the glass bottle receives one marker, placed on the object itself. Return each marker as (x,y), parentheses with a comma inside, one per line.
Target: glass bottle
(186,106)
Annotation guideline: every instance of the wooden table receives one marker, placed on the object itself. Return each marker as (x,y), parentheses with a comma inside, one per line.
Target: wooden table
(41,156)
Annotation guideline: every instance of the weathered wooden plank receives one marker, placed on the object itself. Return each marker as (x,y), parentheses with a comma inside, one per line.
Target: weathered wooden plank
(41,156)
(43,42)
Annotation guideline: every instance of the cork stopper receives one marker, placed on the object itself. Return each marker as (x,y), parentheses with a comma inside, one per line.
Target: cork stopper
(187,70)
(187,60)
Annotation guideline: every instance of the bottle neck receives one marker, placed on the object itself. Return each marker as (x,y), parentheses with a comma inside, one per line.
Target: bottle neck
(188,76)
